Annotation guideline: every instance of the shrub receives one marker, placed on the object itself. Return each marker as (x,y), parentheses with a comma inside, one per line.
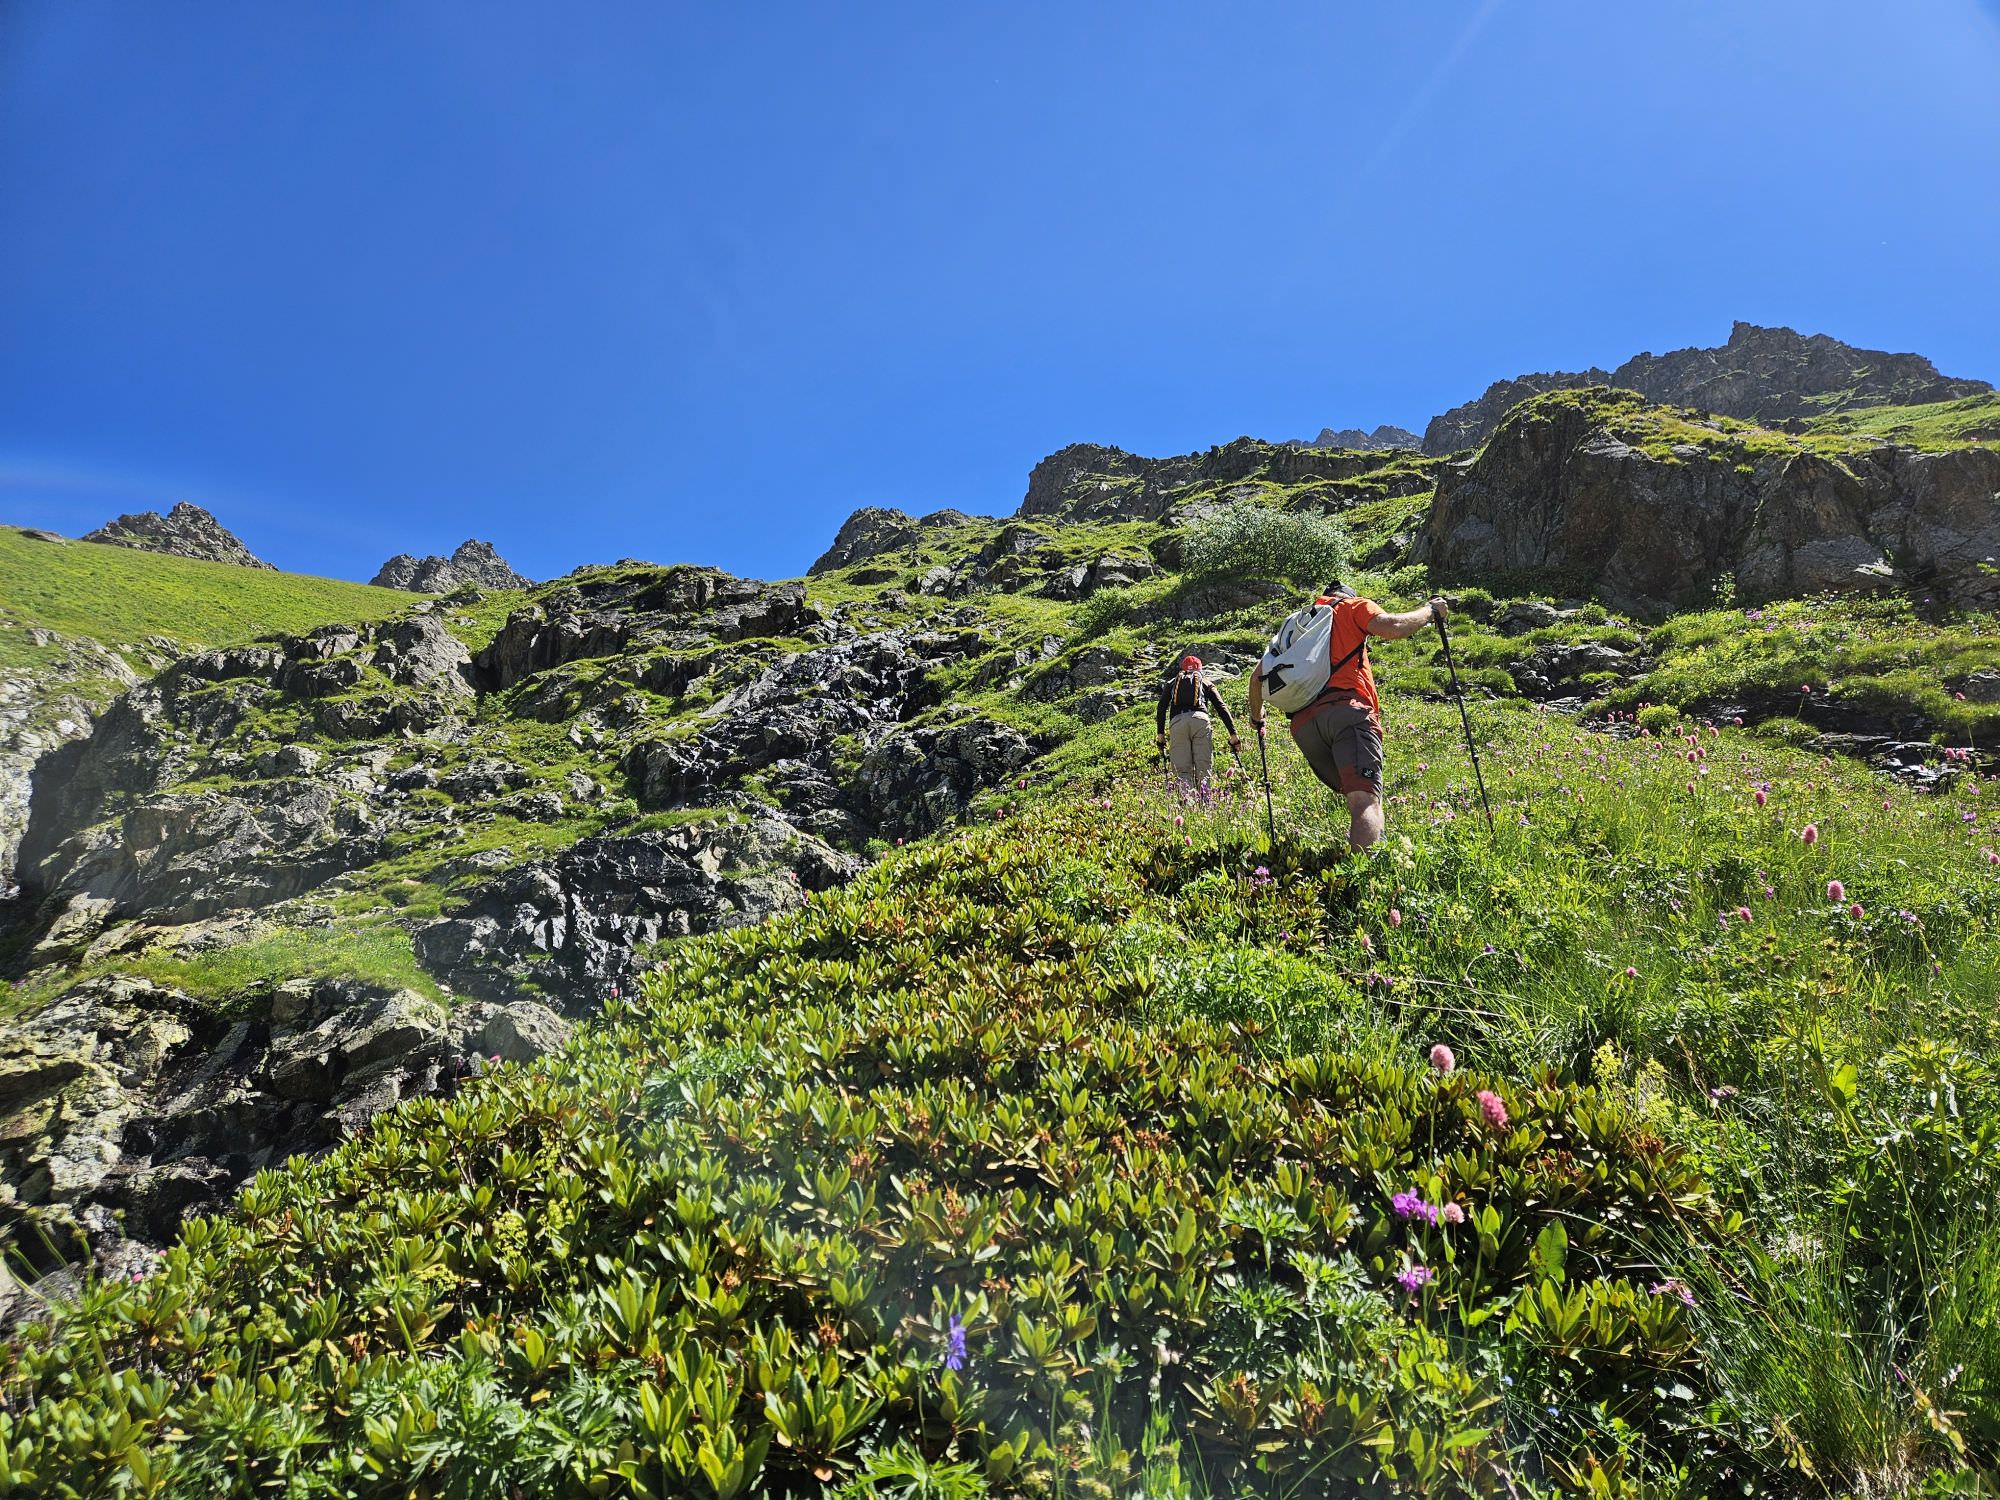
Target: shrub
(1254,541)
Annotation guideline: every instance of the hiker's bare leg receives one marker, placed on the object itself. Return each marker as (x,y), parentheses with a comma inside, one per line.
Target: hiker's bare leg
(1365,811)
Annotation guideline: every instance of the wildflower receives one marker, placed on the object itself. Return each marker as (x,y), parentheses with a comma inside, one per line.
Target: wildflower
(1451,1213)
(1367,943)
(1494,1108)
(1810,833)
(1761,797)
(1673,1286)
(1410,1206)
(1854,911)
(1442,1059)
(1993,856)
(1179,820)
(1805,687)
(1836,892)
(1415,1279)
(1395,917)
(954,1345)
(1630,972)
(1743,914)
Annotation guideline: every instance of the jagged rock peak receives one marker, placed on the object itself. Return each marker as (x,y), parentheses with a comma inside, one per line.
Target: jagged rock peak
(1762,374)
(876,529)
(185,531)
(474,562)
(1385,438)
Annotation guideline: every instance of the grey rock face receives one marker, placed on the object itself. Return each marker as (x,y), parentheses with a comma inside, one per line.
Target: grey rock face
(185,531)
(49,702)
(918,780)
(125,1105)
(1556,489)
(1764,374)
(875,530)
(473,563)
(588,918)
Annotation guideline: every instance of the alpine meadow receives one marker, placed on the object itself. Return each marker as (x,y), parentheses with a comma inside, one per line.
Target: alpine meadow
(704,795)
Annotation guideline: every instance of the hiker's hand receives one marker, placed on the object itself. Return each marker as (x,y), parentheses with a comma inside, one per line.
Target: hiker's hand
(1236,742)
(1160,740)
(1439,611)
(1258,723)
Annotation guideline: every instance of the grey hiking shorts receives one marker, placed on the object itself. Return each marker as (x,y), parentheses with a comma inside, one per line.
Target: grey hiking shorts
(1342,742)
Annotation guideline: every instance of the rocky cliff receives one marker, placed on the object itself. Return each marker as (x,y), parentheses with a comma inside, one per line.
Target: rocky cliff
(472,563)
(185,531)
(1763,374)
(1650,509)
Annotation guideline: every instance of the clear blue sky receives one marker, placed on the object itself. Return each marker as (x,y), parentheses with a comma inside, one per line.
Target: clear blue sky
(690,282)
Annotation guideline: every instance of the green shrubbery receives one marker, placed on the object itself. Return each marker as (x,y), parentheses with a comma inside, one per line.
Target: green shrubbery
(1255,541)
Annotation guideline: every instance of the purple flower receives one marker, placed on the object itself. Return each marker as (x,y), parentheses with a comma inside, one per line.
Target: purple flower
(1415,1278)
(954,1345)
(1672,1287)
(1410,1206)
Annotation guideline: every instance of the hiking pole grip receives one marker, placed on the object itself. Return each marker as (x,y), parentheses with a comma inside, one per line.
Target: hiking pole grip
(1465,719)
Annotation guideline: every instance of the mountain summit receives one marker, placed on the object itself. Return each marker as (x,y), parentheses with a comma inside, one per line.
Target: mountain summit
(185,531)
(1761,374)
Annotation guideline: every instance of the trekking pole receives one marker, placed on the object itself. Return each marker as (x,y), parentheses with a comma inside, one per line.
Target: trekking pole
(1444,638)
(1270,818)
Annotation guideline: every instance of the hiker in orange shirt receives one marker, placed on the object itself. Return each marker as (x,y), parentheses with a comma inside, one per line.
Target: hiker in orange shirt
(1340,731)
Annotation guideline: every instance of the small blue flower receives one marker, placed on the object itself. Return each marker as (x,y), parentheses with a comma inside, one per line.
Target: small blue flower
(954,1346)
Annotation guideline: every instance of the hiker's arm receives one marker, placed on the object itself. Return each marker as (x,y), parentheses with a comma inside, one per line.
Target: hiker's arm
(1222,709)
(1255,712)
(1396,627)
(1160,717)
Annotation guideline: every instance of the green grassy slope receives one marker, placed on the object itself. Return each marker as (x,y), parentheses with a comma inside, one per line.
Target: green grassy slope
(1938,424)
(120,596)
(1128,1095)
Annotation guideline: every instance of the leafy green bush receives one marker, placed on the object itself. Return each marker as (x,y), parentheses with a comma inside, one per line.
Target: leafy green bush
(1103,610)
(1255,541)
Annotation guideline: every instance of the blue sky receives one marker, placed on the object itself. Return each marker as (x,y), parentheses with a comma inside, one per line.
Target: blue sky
(691,282)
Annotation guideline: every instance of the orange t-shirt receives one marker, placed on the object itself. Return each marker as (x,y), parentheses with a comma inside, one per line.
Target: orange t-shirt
(1355,681)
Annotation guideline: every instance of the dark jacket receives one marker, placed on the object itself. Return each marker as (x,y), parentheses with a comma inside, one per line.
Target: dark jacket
(1183,693)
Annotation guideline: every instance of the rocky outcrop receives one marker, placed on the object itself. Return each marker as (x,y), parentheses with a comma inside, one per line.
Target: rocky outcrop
(875,530)
(916,781)
(115,831)
(1384,438)
(1087,482)
(1563,488)
(474,564)
(1763,374)
(185,531)
(126,1105)
(50,700)
(594,915)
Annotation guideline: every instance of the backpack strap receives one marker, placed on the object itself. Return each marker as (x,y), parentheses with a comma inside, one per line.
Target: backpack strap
(1334,670)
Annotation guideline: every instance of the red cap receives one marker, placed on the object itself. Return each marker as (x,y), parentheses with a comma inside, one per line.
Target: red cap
(1190,663)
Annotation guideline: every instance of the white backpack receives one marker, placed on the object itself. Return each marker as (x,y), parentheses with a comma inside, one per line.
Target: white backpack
(1299,659)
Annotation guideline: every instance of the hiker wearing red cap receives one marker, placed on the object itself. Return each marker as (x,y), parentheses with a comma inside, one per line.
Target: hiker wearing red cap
(1316,670)
(1181,726)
